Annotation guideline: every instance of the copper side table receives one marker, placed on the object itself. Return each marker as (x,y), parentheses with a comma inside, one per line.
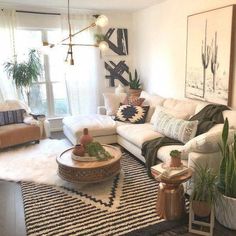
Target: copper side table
(170,199)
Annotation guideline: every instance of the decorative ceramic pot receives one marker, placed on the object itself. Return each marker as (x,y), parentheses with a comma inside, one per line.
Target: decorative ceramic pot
(175,161)
(79,150)
(200,208)
(85,138)
(134,92)
(225,211)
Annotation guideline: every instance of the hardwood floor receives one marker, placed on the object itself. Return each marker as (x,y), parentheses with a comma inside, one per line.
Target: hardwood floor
(12,221)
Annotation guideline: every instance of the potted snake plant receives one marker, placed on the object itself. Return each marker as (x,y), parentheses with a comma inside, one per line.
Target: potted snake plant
(226,205)
(204,194)
(134,85)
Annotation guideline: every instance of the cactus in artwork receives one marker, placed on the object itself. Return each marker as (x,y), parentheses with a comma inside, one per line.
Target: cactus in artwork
(206,50)
(214,62)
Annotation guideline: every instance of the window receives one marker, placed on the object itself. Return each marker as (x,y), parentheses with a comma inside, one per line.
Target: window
(48,94)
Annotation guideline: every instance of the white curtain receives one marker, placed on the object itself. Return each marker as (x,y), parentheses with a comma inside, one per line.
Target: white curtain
(7,49)
(82,79)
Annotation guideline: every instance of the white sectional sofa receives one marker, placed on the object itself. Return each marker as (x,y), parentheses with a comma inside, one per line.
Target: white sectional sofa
(131,136)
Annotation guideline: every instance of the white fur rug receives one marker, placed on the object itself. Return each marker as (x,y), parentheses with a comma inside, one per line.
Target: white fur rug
(37,163)
(33,162)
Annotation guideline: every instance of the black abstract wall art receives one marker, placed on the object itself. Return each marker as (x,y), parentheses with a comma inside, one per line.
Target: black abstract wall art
(117,39)
(116,72)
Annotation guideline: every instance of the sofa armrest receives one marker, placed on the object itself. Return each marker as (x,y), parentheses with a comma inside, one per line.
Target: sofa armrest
(101,110)
(212,160)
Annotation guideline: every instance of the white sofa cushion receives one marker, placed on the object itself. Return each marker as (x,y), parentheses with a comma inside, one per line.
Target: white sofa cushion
(112,102)
(174,113)
(231,115)
(184,106)
(175,128)
(207,142)
(152,101)
(98,125)
(138,133)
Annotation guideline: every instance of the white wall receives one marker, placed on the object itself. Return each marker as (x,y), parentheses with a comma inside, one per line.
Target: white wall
(160,43)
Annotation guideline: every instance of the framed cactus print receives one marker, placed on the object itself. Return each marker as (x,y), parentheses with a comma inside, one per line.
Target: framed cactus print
(209,60)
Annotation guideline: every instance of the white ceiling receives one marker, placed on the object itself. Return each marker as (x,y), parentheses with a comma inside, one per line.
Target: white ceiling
(115,5)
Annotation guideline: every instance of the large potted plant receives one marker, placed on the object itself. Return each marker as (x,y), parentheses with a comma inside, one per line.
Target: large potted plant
(25,73)
(134,85)
(226,205)
(204,194)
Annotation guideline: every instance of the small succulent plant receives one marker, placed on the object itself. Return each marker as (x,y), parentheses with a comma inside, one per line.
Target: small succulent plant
(134,83)
(175,153)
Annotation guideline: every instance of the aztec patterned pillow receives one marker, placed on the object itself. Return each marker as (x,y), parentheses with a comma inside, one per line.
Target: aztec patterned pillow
(134,101)
(132,114)
(178,129)
(12,117)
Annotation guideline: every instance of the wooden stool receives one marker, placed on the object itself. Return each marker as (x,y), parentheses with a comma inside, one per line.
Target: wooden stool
(170,199)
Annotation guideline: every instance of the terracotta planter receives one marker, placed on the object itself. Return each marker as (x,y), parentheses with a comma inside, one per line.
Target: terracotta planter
(175,161)
(134,92)
(201,209)
(79,150)
(85,138)
(225,211)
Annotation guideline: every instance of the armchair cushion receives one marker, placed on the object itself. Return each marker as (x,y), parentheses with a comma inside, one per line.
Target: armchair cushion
(12,117)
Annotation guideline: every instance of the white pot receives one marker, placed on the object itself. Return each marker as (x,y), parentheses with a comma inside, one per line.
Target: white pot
(225,211)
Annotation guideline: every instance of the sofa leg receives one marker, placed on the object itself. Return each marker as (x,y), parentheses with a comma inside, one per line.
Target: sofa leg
(37,141)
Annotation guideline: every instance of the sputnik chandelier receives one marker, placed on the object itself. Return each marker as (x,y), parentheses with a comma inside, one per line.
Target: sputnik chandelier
(101,21)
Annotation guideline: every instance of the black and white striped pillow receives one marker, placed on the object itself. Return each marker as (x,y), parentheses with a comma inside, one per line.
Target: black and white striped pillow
(12,117)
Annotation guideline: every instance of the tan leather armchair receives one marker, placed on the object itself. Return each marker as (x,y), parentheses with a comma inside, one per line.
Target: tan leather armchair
(17,133)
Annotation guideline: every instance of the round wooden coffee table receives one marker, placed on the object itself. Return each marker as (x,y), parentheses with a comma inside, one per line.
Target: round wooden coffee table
(89,171)
(171,200)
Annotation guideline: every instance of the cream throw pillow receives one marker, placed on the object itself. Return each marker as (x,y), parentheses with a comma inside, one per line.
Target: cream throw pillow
(112,102)
(175,128)
(206,143)
(176,114)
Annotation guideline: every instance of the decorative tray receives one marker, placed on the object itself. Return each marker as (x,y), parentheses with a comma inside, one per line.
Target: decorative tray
(83,158)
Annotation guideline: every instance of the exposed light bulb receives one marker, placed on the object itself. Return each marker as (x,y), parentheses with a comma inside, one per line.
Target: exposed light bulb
(103,45)
(101,21)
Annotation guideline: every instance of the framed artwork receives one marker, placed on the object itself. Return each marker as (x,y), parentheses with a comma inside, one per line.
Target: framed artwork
(116,72)
(209,64)
(117,39)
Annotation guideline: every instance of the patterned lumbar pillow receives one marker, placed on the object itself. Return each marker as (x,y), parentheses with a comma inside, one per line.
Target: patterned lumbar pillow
(12,117)
(178,129)
(132,114)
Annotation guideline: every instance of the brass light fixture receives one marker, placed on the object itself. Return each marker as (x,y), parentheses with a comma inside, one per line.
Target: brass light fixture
(101,21)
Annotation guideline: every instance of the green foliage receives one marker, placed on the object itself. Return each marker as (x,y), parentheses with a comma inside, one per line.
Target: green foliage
(175,153)
(204,185)
(100,37)
(227,175)
(26,72)
(134,83)
(95,149)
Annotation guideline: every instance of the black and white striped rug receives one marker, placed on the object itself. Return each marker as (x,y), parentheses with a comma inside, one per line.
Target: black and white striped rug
(126,206)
